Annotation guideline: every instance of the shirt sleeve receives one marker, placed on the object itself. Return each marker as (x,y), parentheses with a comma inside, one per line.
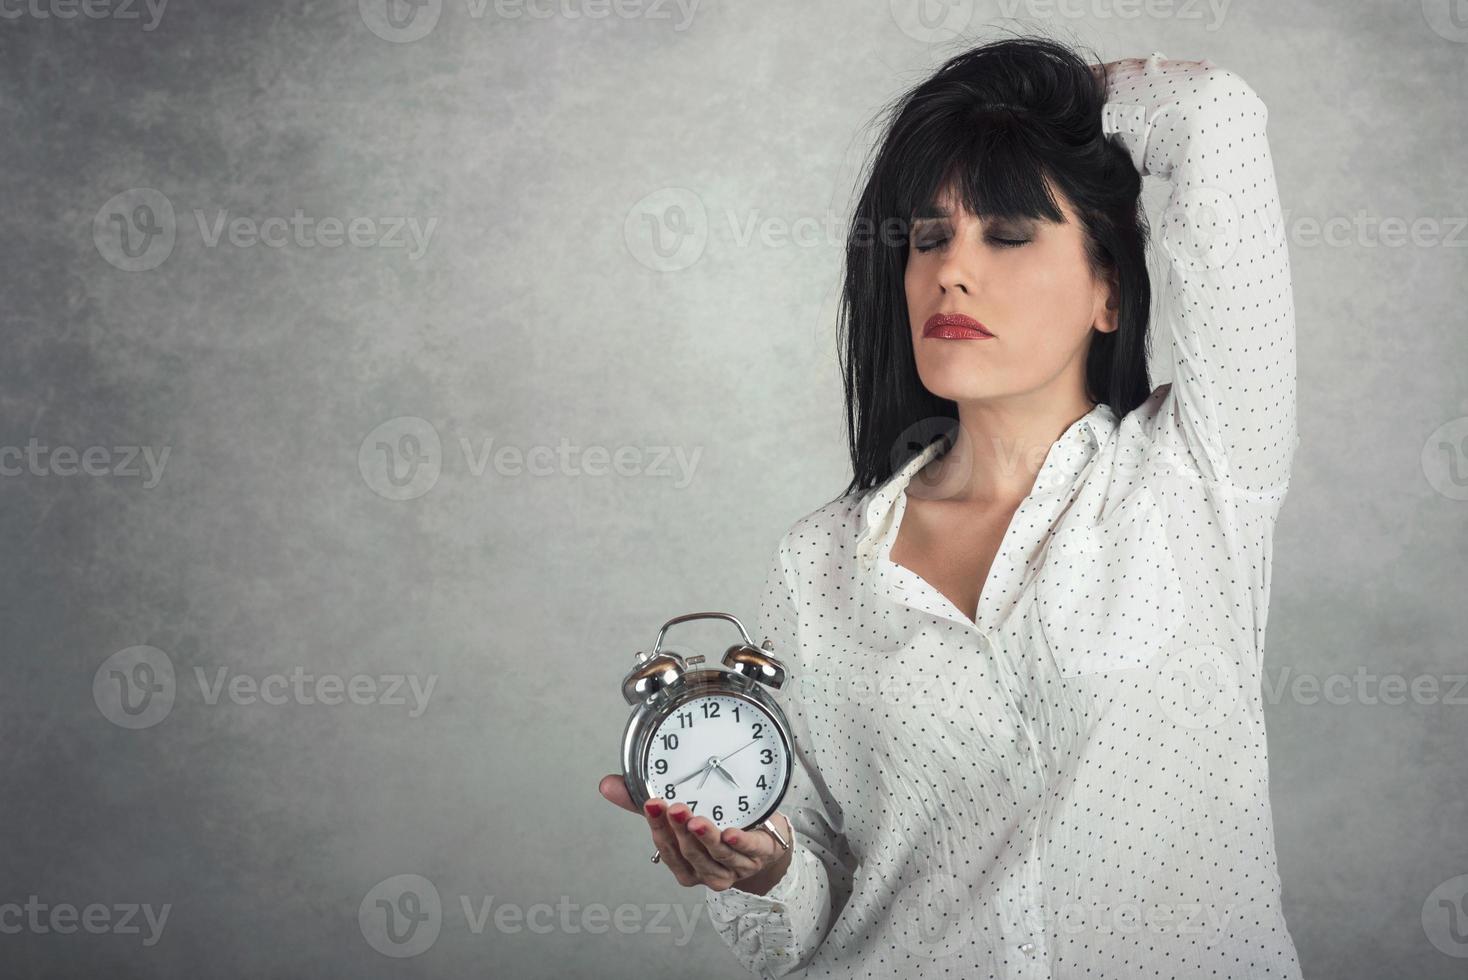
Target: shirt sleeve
(779,932)
(1227,307)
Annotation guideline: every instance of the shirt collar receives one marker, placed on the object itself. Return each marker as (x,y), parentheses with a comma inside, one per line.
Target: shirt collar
(877,513)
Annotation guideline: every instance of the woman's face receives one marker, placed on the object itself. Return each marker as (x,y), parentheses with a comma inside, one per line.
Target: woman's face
(1027,282)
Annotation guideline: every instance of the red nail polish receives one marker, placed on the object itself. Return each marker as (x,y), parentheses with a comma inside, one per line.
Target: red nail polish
(680,817)
(654,809)
(733,838)
(698,830)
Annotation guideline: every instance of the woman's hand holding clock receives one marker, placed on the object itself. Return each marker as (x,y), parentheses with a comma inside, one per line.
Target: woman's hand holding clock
(697,853)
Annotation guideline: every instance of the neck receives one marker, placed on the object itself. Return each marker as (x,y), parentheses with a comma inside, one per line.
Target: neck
(1002,446)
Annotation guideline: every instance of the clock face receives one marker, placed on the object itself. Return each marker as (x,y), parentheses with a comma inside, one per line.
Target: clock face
(722,756)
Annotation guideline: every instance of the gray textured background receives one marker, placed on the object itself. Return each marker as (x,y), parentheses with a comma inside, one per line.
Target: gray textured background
(543,311)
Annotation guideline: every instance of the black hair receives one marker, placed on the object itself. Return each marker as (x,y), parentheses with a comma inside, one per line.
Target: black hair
(997,120)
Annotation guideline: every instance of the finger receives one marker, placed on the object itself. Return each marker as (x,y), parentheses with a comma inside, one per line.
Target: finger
(742,865)
(614,788)
(693,850)
(750,844)
(667,843)
(761,847)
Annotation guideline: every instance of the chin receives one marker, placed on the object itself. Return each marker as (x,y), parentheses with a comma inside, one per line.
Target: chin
(957,382)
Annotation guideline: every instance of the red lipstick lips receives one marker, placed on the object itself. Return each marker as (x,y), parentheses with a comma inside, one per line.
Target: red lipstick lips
(954,326)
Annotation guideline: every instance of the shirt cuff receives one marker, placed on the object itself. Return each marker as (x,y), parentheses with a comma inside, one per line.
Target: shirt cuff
(737,901)
(1130,123)
(1127,119)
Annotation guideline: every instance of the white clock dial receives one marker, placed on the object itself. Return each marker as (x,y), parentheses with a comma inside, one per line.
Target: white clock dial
(751,766)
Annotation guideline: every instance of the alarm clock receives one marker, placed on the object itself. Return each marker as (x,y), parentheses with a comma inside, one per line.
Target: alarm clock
(709,736)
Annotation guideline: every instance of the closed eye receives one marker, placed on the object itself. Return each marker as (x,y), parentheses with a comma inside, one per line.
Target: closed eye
(992,239)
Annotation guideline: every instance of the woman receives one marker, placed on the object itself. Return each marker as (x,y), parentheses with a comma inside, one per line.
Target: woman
(1028,717)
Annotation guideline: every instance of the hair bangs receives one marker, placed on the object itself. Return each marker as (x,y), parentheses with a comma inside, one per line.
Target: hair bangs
(990,165)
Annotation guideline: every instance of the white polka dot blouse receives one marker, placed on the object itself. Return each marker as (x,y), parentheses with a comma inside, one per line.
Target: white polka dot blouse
(1076,783)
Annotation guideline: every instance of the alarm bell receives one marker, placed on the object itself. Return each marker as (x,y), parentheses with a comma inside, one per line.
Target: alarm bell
(660,670)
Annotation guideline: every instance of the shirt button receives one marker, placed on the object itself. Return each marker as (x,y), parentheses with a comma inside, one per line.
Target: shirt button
(1027,948)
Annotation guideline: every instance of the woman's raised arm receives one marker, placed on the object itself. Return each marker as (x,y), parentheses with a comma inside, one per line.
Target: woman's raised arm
(1228,307)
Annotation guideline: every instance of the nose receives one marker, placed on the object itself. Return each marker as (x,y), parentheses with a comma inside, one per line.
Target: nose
(957,271)
(954,276)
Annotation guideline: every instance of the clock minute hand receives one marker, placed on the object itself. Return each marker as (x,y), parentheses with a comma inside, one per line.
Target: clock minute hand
(737,751)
